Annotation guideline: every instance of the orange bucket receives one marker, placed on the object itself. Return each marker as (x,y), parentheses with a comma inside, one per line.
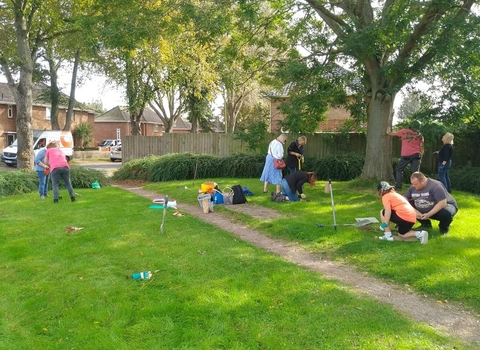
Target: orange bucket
(208,186)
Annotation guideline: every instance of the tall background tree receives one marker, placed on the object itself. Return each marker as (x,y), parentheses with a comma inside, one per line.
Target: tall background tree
(387,45)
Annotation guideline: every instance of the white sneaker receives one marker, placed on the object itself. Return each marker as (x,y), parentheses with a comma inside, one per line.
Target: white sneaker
(422,236)
(386,238)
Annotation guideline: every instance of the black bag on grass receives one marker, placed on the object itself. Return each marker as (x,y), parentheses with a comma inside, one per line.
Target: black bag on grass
(238,195)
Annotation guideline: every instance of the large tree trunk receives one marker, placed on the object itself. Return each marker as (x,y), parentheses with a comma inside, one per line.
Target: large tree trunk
(71,100)
(24,119)
(54,92)
(23,95)
(378,157)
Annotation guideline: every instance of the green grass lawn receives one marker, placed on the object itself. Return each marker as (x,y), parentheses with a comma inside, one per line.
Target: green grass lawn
(209,290)
(446,268)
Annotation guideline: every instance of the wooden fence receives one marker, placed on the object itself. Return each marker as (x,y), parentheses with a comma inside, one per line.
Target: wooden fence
(318,146)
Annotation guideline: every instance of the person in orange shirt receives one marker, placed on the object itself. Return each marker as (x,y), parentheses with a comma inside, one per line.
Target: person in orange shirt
(398,210)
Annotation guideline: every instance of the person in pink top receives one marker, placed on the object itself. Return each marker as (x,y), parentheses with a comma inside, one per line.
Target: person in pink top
(398,210)
(59,168)
(411,152)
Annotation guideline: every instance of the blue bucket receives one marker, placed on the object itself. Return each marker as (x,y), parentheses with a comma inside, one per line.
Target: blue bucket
(217,198)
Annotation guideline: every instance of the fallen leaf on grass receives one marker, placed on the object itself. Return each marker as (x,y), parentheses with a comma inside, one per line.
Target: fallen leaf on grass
(73,228)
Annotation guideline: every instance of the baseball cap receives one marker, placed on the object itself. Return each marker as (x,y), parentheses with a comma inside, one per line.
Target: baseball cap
(385,186)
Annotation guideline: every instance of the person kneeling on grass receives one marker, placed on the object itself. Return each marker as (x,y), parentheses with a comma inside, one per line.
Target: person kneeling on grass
(293,183)
(398,210)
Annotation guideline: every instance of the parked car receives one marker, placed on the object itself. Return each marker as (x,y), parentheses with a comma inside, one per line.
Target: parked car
(110,143)
(116,154)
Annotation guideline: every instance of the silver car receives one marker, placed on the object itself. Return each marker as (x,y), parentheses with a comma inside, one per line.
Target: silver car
(116,154)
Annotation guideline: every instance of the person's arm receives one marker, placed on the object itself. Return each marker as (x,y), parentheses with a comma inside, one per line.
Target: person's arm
(390,132)
(439,206)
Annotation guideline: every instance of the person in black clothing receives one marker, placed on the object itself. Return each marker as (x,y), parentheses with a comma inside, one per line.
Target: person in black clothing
(293,183)
(445,161)
(295,154)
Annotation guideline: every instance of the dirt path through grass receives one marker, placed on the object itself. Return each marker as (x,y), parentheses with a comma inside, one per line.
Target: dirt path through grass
(447,318)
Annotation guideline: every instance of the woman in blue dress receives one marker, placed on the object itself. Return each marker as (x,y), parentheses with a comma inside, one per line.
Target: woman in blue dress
(270,174)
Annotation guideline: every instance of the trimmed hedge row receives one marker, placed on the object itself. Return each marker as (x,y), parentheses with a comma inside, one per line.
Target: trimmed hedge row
(14,182)
(186,166)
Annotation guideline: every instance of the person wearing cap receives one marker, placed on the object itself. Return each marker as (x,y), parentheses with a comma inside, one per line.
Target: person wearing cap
(431,200)
(271,174)
(396,209)
(410,153)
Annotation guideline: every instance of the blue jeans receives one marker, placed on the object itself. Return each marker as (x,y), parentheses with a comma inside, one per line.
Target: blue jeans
(42,183)
(63,173)
(443,175)
(286,191)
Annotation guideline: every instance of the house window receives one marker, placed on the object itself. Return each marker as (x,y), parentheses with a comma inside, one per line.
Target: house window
(48,114)
(10,138)
(118,133)
(73,116)
(155,128)
(10,111)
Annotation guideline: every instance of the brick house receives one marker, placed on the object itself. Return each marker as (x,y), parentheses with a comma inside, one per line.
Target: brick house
(335,117)
(40,113)
(115,123)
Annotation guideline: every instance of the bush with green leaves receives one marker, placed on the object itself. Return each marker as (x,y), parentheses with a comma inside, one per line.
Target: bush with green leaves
(83,177)
(23,181)
(186,166)
(17,182)
(465,179)
(337,167)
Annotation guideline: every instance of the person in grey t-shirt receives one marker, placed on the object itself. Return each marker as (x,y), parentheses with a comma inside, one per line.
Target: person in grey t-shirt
(431,201)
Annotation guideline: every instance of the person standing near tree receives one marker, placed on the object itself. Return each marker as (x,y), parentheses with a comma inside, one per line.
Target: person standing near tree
(411,151)
(295,154)
(445,161)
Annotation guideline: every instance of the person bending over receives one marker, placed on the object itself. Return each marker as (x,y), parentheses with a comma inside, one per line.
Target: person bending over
(292,185)
(396,209)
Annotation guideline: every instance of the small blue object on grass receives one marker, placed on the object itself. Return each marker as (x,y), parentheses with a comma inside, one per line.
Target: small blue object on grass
(247,192)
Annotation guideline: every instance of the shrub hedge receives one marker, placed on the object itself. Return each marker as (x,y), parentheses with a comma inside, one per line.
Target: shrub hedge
(20,181)
(186,166)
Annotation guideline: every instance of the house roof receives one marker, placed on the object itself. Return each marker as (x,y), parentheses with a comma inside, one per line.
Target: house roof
(336,71)
(120,114)
(41,97)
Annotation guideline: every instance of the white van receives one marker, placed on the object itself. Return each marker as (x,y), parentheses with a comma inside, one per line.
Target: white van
(41,138)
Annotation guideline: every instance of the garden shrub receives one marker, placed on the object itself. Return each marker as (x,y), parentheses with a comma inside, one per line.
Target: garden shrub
(83,178)
(337,167)
(17,182)
(24,181)
(466,179)
(340,167)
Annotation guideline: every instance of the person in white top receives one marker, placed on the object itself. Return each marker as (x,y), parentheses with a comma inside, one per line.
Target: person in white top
(270,174)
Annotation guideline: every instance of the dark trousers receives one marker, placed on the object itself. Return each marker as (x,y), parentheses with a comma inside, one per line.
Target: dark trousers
(414,162)
(64,174)
(444,216)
